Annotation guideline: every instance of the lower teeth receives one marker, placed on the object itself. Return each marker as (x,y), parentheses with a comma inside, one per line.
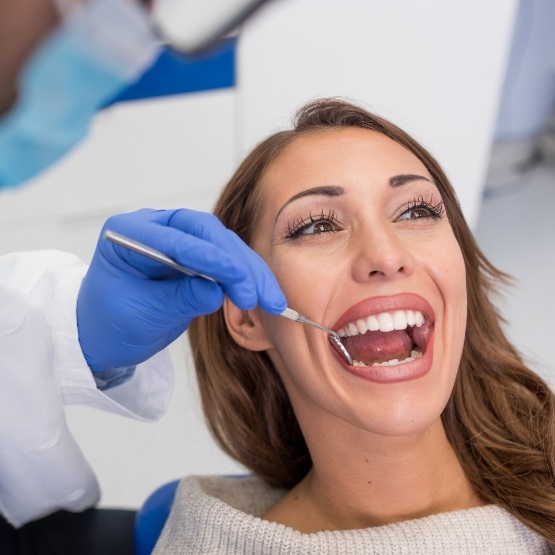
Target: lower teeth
(394,362)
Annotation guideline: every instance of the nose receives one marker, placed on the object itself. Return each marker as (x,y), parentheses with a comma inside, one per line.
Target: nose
(382,254)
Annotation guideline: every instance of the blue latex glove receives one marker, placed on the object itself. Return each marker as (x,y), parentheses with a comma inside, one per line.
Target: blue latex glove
(130,307)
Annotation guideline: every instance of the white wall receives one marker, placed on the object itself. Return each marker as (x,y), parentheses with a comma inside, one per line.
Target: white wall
(434,67)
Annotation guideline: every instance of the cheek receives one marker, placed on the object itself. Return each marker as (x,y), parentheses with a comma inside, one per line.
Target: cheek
(308,281)
(456,275)
(450,272)
(451,280)
(309,286)
(300,277)
(292,350)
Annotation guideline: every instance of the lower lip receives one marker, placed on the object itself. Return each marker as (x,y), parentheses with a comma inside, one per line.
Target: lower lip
(394,374)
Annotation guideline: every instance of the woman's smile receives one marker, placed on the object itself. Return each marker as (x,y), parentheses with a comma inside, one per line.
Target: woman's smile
(389,333)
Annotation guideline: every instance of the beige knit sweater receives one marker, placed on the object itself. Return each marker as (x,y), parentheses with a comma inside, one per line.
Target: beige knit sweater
(220,516)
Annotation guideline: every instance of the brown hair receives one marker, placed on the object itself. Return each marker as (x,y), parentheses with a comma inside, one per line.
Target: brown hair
(500,417)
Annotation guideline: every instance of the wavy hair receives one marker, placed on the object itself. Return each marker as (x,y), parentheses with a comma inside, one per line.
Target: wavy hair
(500,418)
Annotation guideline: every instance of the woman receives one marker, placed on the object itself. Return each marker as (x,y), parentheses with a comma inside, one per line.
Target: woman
(438,439)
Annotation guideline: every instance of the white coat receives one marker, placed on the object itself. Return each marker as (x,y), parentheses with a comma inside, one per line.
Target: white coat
(42,368)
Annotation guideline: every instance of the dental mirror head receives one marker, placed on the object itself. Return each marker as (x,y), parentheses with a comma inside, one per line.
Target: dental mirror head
(189,26)
(340,348)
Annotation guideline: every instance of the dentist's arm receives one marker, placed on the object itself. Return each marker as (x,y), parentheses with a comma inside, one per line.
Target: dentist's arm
(130,307)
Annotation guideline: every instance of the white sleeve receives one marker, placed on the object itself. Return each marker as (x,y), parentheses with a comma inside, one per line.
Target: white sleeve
(41,466)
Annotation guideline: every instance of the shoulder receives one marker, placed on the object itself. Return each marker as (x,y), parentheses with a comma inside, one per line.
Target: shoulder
(244,493)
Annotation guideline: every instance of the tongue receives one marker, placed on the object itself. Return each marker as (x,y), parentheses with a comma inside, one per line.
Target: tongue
(377,346)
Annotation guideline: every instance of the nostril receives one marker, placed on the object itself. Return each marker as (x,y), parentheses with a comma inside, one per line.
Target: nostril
(400,270)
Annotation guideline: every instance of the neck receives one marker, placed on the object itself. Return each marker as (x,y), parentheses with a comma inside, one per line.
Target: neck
(381,481)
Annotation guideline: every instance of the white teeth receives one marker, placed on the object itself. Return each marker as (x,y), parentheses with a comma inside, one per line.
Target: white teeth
(393,362)
(373,323)
(399,320)
(361,326)
(385,321)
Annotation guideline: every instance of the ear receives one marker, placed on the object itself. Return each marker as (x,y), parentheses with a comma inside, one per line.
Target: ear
(245,327)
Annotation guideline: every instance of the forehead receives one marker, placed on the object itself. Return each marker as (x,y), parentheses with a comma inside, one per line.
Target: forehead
(337,157)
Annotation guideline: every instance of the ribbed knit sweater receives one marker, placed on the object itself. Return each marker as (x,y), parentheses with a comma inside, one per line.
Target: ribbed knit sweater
(221,516)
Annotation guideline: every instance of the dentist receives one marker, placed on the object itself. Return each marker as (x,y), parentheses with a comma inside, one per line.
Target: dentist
(72,334)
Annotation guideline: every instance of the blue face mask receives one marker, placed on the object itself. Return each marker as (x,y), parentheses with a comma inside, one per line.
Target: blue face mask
(99,49)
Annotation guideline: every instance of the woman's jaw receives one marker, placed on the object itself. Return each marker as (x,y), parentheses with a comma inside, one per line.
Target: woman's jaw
(390,339)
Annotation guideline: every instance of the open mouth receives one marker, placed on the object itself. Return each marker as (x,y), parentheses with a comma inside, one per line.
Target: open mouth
(387,338)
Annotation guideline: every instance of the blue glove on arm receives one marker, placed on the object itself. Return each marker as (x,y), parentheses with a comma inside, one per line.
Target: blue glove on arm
(130,307)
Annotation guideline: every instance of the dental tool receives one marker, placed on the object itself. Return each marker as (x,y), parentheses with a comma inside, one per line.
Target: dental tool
(333,336)
(135,246)
(288,313)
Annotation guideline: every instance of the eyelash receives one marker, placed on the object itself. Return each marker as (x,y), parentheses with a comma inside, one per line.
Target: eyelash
(435,211)
(295,230)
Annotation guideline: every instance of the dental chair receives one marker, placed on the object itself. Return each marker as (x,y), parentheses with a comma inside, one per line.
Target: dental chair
(152,516)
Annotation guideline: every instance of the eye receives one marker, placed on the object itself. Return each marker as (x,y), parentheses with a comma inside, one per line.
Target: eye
(422,209)
(318,227)
(315,225)
(415,214)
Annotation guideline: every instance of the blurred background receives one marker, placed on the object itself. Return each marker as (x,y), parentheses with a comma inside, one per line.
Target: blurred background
(473,81)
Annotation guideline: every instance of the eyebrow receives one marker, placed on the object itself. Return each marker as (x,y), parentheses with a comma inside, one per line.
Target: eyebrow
(398,180)
(323,190)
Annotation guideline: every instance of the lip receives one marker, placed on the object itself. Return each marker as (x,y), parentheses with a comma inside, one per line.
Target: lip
(390,374)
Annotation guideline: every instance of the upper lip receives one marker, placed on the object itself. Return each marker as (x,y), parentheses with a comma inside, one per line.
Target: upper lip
(376,305)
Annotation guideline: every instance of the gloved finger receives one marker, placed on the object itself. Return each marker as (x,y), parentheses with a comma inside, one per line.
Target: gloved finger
(167,303)
(198,296)
(260,287)
(205,246)
(208,247)
(195,253)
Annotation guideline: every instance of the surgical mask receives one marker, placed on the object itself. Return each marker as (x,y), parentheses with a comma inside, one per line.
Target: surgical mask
(100,47)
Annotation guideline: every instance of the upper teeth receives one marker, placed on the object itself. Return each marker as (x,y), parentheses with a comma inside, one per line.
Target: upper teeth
(385,321)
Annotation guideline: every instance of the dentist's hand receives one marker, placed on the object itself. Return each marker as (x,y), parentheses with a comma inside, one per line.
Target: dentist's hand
(130,307)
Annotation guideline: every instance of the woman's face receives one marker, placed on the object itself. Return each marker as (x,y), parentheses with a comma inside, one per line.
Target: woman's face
(354,229)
